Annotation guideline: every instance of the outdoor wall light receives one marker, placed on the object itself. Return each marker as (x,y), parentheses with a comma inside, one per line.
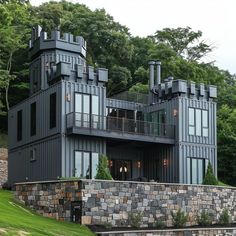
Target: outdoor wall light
(68,98)
(139,164)
(175,112)
(165,162)
(110,163)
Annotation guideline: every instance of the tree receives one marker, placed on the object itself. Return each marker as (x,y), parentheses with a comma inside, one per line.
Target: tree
(119,79)
(210,178)
(103,171)
(185,42)
(13,17)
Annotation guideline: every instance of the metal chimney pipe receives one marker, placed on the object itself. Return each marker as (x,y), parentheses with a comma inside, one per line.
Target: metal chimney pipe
(158,63)
(151,77)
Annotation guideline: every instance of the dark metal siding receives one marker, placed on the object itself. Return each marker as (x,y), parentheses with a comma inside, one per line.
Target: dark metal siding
(46,166)
(42,118)
(74,143)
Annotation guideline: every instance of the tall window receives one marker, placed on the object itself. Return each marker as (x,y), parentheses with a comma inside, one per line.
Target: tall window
(53,111)
(19,125)
(205,123)
(191,121)
(85,164)
(195,170)
(198,122)
(86,110)
(33,119)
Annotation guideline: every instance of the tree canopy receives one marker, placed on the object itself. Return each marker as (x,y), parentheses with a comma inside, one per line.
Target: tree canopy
(181,50)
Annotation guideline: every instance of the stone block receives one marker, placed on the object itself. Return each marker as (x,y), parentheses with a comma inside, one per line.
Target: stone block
(86,220)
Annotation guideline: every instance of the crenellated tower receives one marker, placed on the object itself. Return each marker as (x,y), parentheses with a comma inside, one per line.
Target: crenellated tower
(59,57)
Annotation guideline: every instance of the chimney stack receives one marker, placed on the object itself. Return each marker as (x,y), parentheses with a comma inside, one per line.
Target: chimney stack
(151,71)
(158,63)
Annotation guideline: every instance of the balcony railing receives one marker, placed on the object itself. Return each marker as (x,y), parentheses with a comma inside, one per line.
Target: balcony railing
(122,125)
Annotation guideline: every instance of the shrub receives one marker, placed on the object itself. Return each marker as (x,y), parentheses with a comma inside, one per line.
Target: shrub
(160,224)
(224,217)
(204,219)
(179,218)
(107,225)
(136,219)
(210,178)
(103,171)
(6,186)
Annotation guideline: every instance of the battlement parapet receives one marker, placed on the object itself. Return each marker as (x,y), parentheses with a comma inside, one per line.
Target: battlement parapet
(40,41)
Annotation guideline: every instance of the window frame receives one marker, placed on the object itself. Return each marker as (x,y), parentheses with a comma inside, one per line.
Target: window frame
(53,111)
(82,163)
(19,129)
(189,171)
(33,116)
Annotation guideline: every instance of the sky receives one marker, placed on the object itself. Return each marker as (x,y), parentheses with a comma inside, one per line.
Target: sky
(215,18)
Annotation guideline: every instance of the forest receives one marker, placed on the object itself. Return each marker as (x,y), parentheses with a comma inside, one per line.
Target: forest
(182,52)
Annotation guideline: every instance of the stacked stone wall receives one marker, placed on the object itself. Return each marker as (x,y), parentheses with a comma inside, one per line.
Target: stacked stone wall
(114,201)
(3,166)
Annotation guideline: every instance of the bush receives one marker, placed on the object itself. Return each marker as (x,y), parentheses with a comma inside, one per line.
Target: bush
(103,171)
(179,218)
(136,219)
(224,217)
(204,219)
(160,224)
(210,178)
(6,186)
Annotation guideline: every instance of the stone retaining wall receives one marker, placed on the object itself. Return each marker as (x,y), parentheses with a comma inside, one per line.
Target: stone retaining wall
(193,232)
(3,166)
(114,201)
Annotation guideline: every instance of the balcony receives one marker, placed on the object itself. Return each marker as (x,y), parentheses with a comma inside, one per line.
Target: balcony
(119,128)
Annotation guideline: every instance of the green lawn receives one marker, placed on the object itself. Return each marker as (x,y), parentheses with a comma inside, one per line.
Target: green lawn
(17,220)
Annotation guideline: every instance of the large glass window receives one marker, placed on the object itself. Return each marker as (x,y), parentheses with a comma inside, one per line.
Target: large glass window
(198,122)
(33,119)
(205,123)
(85,165)
(87,109)
(191,121)
(19,125)
(195,170)
(53,110)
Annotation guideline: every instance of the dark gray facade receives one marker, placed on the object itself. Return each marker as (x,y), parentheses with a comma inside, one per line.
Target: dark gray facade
(68,122)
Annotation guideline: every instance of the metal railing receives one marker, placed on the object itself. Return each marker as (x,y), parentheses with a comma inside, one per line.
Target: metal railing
(109,123)
(131,97)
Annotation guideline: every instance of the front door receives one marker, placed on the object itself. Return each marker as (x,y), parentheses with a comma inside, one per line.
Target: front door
(121,169)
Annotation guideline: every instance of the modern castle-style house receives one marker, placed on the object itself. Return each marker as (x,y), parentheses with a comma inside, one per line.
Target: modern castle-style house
(67,122)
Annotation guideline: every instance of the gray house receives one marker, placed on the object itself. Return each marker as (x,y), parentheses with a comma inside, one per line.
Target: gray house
(168,135)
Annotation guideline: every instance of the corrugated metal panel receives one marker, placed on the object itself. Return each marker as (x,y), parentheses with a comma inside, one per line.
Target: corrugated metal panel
(42,113)
(74,143)
(47,165)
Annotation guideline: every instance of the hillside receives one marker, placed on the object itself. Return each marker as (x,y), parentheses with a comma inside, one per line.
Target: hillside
(17,220)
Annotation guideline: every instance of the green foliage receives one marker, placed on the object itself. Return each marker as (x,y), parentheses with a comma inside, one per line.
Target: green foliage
(135,219)
(139,88)
(224,217)
(103,171)
(160,224)
(3,140)
(179,218)
(120,78)
(107,225)
(210,178)
(15,219)
(204,219)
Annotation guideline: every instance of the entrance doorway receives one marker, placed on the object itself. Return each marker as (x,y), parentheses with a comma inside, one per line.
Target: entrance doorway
(121,169)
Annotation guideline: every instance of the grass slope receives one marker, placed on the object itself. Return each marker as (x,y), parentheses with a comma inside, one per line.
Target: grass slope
(17,220)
